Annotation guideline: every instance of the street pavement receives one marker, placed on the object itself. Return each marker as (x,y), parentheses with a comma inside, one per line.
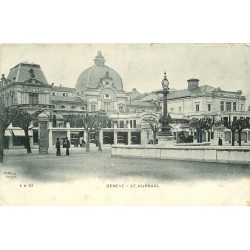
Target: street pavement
(100,179)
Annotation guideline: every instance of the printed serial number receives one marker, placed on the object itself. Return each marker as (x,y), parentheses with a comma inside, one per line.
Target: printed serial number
(26,185)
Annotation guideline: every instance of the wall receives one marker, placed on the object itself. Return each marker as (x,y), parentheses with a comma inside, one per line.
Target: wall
(188,153)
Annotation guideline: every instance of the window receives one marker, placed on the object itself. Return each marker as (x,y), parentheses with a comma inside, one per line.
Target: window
(197,107)
(83,108)
(73,107)
(63,94)
(62,107)
(228,106)
(121,124)
(234,106)
(209,107)
(120,108)
(134,123)
(53,93)
(221,106)
(92,107)
(33,98)
(107,105)
(179,109)
(172,110)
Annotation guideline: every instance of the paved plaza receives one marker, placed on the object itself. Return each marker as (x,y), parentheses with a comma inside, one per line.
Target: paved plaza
(101,179)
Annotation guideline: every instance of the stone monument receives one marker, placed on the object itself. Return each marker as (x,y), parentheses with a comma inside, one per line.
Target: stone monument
(43,120)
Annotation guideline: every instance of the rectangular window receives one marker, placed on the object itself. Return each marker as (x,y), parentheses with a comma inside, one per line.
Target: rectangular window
(228,106)
(234,106)
(107,105)
(134,124)
(197,107)
(33,98)
(121,124)
(92,107)
(209,107)
(221,106)
(172,110)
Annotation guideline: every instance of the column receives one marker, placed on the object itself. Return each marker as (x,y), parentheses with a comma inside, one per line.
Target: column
(129,137)
(115,136)
(101,137)
(50,134)
(68,130)
(11,140)
(43,120)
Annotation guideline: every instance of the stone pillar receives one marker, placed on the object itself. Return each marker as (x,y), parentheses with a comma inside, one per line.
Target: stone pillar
(43,134)
(85,135)
(50,134)
(115,137)
(68,130)
(129,137)
(11,140)
(101,137)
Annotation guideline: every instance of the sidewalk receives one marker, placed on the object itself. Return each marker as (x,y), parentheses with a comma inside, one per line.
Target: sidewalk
(52,150)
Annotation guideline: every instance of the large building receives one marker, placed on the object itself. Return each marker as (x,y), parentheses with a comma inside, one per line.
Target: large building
(100,88)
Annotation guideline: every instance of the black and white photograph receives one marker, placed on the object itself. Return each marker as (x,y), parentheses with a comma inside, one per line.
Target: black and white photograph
(125,124)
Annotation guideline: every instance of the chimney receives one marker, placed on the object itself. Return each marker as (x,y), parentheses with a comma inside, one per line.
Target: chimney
(193,83)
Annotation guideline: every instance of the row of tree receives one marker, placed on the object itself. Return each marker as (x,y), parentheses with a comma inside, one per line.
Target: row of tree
(23,119)
(201,125)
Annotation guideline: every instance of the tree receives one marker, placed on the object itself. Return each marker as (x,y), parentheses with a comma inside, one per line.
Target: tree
(232,127)
(21,118)
(154,125)
(201,125)
(237,126)
(102,121)
(5,120)
(240,125)
(91,122)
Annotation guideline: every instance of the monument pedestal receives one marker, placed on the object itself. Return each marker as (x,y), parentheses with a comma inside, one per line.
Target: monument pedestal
(43,120)
(165,140)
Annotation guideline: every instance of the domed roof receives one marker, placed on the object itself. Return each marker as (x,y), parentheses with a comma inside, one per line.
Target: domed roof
(92,76)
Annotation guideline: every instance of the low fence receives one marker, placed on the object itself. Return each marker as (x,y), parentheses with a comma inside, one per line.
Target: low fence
(218,154)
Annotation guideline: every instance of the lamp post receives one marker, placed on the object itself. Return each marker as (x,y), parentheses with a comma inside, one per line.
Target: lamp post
(165,119)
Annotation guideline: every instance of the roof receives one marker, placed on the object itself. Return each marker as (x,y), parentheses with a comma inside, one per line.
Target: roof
(20,73)
(63,89)
(91,77)
(204,89)
(141,104)
(67,99)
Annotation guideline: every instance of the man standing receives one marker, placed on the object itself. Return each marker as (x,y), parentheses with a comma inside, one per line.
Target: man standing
(220,142)
(58,149)
(67,146)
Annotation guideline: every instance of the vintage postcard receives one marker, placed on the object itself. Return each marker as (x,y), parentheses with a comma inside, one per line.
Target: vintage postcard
(124,124)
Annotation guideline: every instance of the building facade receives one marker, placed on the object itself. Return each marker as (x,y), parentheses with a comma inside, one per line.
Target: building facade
(100,88)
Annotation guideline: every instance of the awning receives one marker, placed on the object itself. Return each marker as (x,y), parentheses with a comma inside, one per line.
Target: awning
(18,132)
(7,133)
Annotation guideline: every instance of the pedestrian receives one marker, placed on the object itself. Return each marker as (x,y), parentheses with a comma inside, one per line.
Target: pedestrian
(58,149)
(220,142)
(67,145)
(64,143)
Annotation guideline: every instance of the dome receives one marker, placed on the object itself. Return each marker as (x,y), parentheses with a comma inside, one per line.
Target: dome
(91,78)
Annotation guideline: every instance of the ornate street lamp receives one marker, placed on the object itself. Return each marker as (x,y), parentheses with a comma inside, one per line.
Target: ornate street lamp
(165,119)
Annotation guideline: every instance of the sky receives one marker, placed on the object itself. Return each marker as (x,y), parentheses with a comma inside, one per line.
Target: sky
(141,66)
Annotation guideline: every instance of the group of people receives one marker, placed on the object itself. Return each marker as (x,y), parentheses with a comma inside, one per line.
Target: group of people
(66,144)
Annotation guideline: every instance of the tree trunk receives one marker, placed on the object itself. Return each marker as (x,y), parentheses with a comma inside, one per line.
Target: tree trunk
(98,140)
(87,140)
(233,137)
(2,130)
(239,137)
(154,134)
(27,141)
(201,140)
